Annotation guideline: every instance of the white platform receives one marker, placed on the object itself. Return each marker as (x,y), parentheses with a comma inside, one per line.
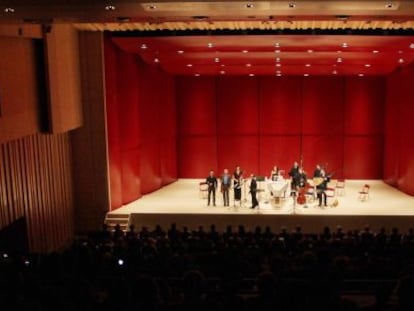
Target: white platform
(181,202)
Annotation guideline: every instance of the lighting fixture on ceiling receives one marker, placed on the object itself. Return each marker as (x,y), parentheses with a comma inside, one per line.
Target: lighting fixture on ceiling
(216,60)
(251,74)
(339,59)
(310,51)
(292,5)
(278,65)
(389,5)
(401,60)
(277,51)
(249,5)
(156,60)
(110,7)
(306,74)
(375,51)
(367,65)
(144,46)
(307,65)
(248,65)
(9,10)
(412,46)
(344,45)
(209,45)
(189,65)
(277,45)
(180,52)
(277,59)
(197,74)
(245,51)
(360,74)
(222,72)
(334,72)
(151,6)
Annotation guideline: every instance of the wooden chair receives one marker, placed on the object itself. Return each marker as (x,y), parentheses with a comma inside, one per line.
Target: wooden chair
(364,193)
(340,187)
(203,190)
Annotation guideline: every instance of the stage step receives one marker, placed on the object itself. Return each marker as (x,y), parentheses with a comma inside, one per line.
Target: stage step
(111,220)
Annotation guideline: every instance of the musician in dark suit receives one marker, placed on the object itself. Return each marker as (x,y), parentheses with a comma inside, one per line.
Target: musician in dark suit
(321,188)
(294,174)
(253,191)
(237,183)
(317,171)
(211,181)
(225,186)
(301,178)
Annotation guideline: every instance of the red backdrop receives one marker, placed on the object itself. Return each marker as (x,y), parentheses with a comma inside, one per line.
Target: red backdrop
(399,130)
(258,122)
(141,117)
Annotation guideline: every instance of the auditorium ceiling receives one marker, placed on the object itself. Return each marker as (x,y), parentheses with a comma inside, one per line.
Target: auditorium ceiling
(297,37)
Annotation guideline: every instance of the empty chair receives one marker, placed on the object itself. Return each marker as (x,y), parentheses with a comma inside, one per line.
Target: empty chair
(203,189)
(364,193)
(340,187)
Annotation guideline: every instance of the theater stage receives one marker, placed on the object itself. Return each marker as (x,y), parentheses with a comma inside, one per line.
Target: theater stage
(182,203)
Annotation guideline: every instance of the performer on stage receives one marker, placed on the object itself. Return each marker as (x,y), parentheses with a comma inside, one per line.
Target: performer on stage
(321,188)
(237,183)
(253,191)
(211,181)
(225,186)
(301,178)
(317,171)
(294,174)
(274,173)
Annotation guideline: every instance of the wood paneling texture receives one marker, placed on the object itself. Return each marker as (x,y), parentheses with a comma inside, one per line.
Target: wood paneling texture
(20,87)
(64,83)
(36,183)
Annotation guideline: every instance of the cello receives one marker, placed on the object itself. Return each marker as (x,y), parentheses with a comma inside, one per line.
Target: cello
(301,199)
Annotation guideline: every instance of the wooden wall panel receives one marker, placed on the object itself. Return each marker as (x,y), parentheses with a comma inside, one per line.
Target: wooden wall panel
(36,183)
(19,106)
(63,72)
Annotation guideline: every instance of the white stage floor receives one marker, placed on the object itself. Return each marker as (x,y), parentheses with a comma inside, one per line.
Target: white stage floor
(181,202)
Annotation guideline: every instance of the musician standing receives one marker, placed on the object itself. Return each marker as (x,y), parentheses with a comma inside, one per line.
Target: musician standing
(225,186)
(321,188)
(317,171)
(253,191)
(237,183)
(211,181)
(301,178)
(294,174)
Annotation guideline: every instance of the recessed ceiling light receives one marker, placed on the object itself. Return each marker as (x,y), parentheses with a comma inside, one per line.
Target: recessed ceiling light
(248,65)
(344,45)
(389,5)
(401,60)
(278,74)
(249,5)
(277,51)
(110,7)
(9,10)
(197,74)
(308,65)
(156,60)
(292,5)
(180,52)
(339,59)
(210,45)
(245,51)
(222,72)
(277,59)
(251,74)
(375,51)
(217,60)
(152,6)
(367,65)
(278,64)
(412,46)
(310,51)
(277,45)
(400,52)
(222,65)
(306,74)
(189,65)
(334,72)
(144,46)
(360,74)
(339,51)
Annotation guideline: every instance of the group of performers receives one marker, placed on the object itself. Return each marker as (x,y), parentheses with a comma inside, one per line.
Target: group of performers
(235,181)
